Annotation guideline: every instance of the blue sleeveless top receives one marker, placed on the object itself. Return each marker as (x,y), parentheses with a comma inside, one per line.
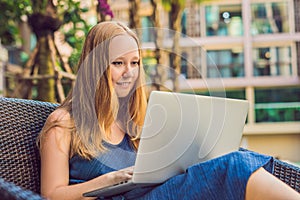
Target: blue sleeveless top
(225,176)
(116,157)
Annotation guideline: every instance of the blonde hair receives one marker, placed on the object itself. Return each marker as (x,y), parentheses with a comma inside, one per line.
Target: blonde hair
(92,103)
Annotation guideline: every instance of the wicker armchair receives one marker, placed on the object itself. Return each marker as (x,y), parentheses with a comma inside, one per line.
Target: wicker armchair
(21,121)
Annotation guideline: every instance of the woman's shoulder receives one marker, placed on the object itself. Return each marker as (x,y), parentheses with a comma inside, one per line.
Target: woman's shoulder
(58,124)
(56,135)
(59,115)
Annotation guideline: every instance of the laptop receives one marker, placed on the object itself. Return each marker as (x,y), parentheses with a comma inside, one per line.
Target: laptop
(179,131)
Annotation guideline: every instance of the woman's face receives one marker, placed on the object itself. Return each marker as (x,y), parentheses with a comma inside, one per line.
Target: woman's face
(124,63)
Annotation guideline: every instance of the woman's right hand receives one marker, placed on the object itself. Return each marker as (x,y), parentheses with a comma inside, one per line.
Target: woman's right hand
(119,176)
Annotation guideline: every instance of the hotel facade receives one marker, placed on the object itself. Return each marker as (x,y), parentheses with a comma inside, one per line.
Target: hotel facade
(249,49)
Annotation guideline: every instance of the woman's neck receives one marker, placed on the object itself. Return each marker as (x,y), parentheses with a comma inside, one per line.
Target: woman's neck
(117,134)
(117,128)
(123,112)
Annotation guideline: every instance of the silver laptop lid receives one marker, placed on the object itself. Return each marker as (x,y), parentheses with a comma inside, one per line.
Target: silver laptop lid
(182,129)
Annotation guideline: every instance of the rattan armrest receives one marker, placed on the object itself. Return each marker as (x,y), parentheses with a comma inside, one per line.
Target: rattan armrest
(20,122)
(288,173)
(10,191)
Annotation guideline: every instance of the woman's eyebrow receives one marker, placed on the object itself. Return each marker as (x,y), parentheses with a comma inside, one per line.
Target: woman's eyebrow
(123,57)
(136,57)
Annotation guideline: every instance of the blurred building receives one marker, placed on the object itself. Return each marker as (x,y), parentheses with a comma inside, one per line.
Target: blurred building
(254,47)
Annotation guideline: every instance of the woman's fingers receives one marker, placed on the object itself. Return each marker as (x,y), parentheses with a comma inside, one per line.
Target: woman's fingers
(128,170)
(119,176)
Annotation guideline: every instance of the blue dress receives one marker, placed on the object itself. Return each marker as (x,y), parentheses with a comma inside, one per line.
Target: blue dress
(223,178)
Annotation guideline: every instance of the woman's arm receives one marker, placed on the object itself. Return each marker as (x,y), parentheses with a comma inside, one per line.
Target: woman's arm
(55,147)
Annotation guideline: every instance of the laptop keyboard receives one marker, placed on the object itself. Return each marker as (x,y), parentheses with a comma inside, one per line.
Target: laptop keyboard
(120,183)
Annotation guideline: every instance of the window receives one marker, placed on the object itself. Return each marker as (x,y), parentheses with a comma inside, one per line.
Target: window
(277,105)
(184,23)
(272,61)
(225,63)
(233,94)
(147,30)
(269,18)
(184,64)
(223,20)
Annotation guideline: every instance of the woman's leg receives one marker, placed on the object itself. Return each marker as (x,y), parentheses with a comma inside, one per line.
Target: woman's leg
(225,177)
(263,185)
(238,175)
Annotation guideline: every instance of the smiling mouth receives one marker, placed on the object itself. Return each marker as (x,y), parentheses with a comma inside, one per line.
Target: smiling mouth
(123,84)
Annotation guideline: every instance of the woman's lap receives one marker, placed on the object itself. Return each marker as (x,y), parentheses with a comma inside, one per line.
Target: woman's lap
(224,177)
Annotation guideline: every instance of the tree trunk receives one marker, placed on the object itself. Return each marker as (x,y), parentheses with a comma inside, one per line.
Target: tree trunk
(134,18)
(45,66)
(175,21)
(46,87)
(160,75)
(44,24)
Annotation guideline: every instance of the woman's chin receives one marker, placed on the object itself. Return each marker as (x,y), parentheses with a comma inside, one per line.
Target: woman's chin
(123,93)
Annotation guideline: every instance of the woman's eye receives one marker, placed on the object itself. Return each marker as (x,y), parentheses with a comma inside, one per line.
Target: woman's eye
(117,63)
(135,63)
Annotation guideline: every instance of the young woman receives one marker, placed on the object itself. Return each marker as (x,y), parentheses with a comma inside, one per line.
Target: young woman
(90,141)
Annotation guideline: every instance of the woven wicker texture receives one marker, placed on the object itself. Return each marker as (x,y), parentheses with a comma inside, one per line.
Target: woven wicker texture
(20,123)
(10,191)
(290,174)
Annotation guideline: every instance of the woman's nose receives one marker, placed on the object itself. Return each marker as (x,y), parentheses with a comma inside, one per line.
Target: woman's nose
(128,71)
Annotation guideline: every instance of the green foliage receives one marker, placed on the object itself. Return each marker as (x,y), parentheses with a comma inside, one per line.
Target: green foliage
(38,6)
(68,12)
(10,16)
(167,4)
(73,18)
